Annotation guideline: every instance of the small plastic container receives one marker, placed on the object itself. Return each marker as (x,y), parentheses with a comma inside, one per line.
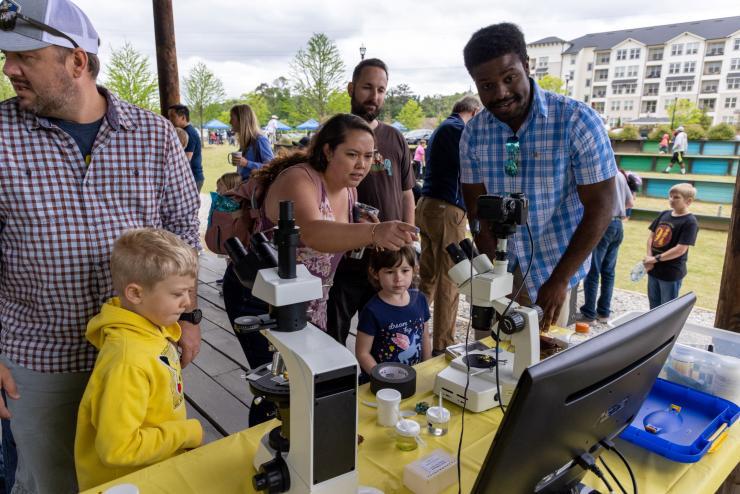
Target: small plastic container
(638,272)
(438,421)
(581,334)
(407,434)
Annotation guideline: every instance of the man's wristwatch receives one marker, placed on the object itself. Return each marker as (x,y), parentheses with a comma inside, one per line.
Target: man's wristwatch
(192,317)
(657,258)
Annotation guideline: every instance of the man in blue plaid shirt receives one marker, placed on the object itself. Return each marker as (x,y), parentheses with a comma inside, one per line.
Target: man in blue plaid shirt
(553,149)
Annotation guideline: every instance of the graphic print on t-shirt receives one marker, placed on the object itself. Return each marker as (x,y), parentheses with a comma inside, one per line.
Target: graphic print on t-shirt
(402,342)
(381,165)
(663,235)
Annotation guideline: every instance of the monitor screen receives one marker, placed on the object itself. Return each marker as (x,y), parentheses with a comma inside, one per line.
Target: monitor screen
(564,405)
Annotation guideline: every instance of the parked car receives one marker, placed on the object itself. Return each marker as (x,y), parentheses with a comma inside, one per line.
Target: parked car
(414,136)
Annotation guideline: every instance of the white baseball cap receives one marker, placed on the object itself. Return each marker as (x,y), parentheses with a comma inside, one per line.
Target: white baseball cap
(27,25)
(680,128)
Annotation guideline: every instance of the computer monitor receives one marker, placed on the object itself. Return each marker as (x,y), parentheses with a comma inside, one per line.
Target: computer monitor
(564,405)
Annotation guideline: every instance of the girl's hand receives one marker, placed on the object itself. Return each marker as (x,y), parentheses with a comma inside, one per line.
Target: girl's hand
(393,235)
(242,162)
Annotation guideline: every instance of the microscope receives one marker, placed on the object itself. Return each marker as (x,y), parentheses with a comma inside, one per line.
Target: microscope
(314,450)
(487,285)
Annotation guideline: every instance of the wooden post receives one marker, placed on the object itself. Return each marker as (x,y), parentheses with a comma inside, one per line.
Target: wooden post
(164,37)
(728,305)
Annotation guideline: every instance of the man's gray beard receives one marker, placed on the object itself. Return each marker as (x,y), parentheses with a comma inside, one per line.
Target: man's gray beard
(52,105)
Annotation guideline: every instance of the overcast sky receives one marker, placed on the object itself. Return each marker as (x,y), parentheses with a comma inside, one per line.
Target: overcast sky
(247,42)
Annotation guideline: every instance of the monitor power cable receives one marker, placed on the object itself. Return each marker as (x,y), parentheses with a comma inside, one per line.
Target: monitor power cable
(609,445)
(611,474)
(587,462)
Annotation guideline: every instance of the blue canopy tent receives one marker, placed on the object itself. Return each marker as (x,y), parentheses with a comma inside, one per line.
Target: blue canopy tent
(399,126)
(309,124)
(216,124)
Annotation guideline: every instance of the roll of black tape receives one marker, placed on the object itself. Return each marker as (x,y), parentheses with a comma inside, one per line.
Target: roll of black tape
(394,375)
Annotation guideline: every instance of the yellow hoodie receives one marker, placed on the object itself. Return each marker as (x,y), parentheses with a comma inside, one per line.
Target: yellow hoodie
(133,411)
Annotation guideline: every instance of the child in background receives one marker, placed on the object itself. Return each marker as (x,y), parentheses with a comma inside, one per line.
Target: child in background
(671,234)
(228,182)
(393,325)
(182,136)
(132,413)
(663,146)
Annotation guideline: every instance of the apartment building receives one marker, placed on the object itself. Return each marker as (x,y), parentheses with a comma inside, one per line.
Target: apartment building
(637,73)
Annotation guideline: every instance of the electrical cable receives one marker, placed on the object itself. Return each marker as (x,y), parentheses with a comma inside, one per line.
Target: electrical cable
(619,484)
(587,462)
(629,468)
(467,380)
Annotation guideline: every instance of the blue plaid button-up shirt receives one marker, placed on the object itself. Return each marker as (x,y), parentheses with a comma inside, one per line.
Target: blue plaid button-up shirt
(563,144)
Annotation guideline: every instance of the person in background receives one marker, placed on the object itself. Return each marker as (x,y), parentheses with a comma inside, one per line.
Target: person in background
(671,235)
(79,167)
(387,187)
(604,260)
(441,217)
(393,325)
(271,129)
(663,145)
(419,158)
(680,145)
(179,115)
(550,147)
(182,136)
(132,413)
(255,147)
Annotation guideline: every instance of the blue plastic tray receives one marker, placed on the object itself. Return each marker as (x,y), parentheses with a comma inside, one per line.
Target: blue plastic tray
(683,436)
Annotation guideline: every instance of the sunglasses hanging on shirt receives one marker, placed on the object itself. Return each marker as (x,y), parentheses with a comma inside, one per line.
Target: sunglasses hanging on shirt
(511,167)
(10,12)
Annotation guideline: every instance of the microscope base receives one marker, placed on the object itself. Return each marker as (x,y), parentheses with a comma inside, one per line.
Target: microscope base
(482,388)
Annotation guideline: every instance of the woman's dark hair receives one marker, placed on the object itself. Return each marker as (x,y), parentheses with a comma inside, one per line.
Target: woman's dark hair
(495,41)
(334,132)
(384,259)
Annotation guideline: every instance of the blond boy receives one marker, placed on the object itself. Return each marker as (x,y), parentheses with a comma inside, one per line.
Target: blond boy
(133,410)
(671,234)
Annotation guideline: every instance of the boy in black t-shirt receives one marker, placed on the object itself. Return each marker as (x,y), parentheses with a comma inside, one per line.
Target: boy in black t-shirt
(671,234)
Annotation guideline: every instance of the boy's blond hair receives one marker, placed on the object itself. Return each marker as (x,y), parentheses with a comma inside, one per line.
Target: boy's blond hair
(146,256)
(183,136)
(228,181)
(686,190)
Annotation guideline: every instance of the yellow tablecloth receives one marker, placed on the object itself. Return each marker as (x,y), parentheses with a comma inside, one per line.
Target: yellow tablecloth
(225,466)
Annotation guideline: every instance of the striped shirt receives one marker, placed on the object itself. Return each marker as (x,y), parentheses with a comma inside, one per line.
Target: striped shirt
(59,218)
(563,144)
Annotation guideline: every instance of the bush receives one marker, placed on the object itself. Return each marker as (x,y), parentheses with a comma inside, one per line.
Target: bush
(628,132)
(695,132)
(722,132)
(657,133)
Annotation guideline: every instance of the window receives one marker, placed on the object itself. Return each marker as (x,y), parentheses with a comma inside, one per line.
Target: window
(543,61)
(629,105)
(632,70)
(736,44)
(624,88)
(571,75)
(707,104)
(729,119)
(622,54)
(585,99)
(679,86)
(733,83)
(601,75)
(715,49)
(615,105)
(573,61)
(619,72)
(692,48)
(735,64)
(649,106)
(650,89)
(689,67)
(674,68)
(731,102)
(667,103)
(598,107)
(602,59)
(588,82)
(709,87)
(599,92)
(634,53)
(711,68)
(589,67)
(653,72)
(676,50)
(655,54)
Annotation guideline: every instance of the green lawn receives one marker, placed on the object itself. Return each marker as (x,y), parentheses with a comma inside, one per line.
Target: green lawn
(707,208)
(705,259)
(705,262)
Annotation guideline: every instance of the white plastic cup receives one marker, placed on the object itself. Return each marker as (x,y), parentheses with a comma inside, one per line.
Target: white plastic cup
(438,420)
(389,407)
(122,489)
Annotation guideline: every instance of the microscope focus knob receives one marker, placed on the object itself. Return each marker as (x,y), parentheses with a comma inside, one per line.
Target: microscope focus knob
(273,477)
(538,309)
(247,324)
(512,323)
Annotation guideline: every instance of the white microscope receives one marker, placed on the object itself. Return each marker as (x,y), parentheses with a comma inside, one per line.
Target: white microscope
(486,286)
(314,450)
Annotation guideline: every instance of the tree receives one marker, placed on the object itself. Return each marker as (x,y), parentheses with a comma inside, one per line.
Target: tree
(128,75)
(277,97)
(6,88)
(552,83)
(722,132)
(411,114)
(202,90)
(684,112)
(259,107)
(395,99)
(339,102)
(317,72)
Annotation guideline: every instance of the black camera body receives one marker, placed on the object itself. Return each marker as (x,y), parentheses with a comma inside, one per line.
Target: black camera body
(503,213)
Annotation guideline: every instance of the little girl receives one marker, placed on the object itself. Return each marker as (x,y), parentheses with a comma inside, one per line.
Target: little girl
(393,325)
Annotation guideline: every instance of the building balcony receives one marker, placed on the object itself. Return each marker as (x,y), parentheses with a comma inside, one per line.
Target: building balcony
(708,91)
(715,53)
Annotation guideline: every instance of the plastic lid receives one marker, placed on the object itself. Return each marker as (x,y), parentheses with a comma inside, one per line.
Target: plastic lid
(582,327)
(438,414)
(408,428)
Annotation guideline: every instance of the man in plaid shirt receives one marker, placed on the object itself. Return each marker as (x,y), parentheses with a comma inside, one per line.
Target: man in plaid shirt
(78,167)
(553,149)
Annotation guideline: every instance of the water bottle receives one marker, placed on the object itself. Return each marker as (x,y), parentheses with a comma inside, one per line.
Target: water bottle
(638,272)
(581,334)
